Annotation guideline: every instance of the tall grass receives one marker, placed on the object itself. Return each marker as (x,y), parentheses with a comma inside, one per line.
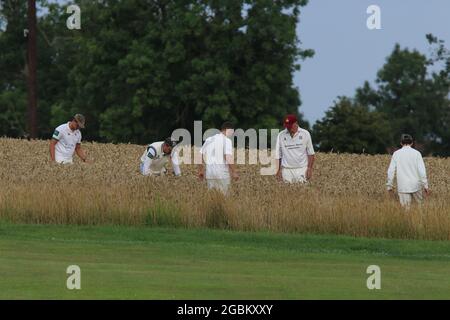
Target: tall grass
(346,196)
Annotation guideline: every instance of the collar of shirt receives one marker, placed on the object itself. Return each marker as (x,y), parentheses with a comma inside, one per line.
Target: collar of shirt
(295,134)
(68,125)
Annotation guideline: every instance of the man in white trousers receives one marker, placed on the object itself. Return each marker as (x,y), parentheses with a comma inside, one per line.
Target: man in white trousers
(407,163)
(156,157)
(295,152)
(217,153)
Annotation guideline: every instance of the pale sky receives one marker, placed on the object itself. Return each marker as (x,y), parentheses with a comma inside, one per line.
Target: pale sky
(348,53)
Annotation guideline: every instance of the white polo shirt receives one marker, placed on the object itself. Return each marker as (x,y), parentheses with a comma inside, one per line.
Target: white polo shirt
(67,141)
(294,151)
(407,163)
(214,150)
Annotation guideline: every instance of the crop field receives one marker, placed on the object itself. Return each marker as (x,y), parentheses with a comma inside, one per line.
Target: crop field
(347,195)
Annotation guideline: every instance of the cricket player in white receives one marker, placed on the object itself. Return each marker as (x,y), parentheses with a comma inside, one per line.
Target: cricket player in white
(407,163)
(156,157)
(295,152)
(66,141)
(217,152)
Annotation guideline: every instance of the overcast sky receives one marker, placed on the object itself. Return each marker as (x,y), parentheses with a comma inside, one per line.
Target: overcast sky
(348,53)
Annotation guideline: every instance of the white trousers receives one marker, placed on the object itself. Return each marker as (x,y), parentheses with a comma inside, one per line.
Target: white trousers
(406,198)
(221,185)
(64,161)
(144,169)
(295,175)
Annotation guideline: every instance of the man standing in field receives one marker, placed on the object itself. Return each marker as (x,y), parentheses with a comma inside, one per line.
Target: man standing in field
(157,156)
(407,163)
(66,141)
(295,152)
(217,152)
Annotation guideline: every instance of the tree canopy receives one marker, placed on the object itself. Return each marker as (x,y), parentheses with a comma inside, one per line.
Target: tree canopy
(139,69)
(411,95)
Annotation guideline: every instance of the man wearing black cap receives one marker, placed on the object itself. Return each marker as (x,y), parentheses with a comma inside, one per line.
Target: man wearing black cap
(295,152)
(66,141)
(407,163)
(156,157)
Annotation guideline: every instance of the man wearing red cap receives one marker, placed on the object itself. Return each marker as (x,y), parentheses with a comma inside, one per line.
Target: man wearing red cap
(295,152)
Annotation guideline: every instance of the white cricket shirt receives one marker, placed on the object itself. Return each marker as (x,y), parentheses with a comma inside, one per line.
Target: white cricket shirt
(67,141)
(407,163)
(156,160)
(294,151)
(214,150)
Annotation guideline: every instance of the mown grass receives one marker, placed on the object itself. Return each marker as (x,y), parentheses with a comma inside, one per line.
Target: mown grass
(167,263)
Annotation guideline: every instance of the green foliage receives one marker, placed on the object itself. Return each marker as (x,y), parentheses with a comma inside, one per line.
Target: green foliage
(12,68)
(414,97)
(411,96)
(353,128)
(140,69)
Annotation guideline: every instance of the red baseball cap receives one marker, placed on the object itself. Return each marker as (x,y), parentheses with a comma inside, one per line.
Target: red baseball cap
(289,121)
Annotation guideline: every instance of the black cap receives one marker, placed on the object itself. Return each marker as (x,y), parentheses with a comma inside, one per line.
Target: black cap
(406,139)
(170,142)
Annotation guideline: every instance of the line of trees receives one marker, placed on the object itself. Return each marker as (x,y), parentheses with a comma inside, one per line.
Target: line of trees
(411,96)
(139,69)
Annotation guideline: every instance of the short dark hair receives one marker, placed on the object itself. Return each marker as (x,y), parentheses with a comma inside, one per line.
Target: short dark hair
(406,139)
(169,142)
(227,125)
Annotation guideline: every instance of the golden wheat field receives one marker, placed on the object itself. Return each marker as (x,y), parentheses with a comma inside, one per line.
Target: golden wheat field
(346,195)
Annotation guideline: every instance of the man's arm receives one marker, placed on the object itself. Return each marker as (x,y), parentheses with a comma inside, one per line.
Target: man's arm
(311,159)
(229,159)
(230,162)
(80,152)
(279,174)
(278,157)
(175,164)
(391,174)
(423,174)
(201,166)
(53,143)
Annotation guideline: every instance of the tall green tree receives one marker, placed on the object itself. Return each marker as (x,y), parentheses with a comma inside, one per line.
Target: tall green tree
(139,69)
(13,103)
(352,128)
(412,91)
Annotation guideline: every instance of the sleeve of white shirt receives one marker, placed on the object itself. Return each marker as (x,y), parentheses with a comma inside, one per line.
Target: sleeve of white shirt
(309,146)
(79,139)
(278,148)
(228,147)
(422,172)
(202,149)
(391,173)
(57,135)
(176,163)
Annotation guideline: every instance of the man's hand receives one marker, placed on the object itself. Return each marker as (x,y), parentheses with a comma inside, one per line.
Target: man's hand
(391,193)
(279,175)
(201,174)
(427,192)
(235,176)
(309,172)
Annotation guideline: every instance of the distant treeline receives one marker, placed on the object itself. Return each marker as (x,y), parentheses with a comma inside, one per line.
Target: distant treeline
(140,69)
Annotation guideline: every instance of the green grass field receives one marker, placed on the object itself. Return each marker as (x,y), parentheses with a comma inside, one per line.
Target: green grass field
(161,263)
